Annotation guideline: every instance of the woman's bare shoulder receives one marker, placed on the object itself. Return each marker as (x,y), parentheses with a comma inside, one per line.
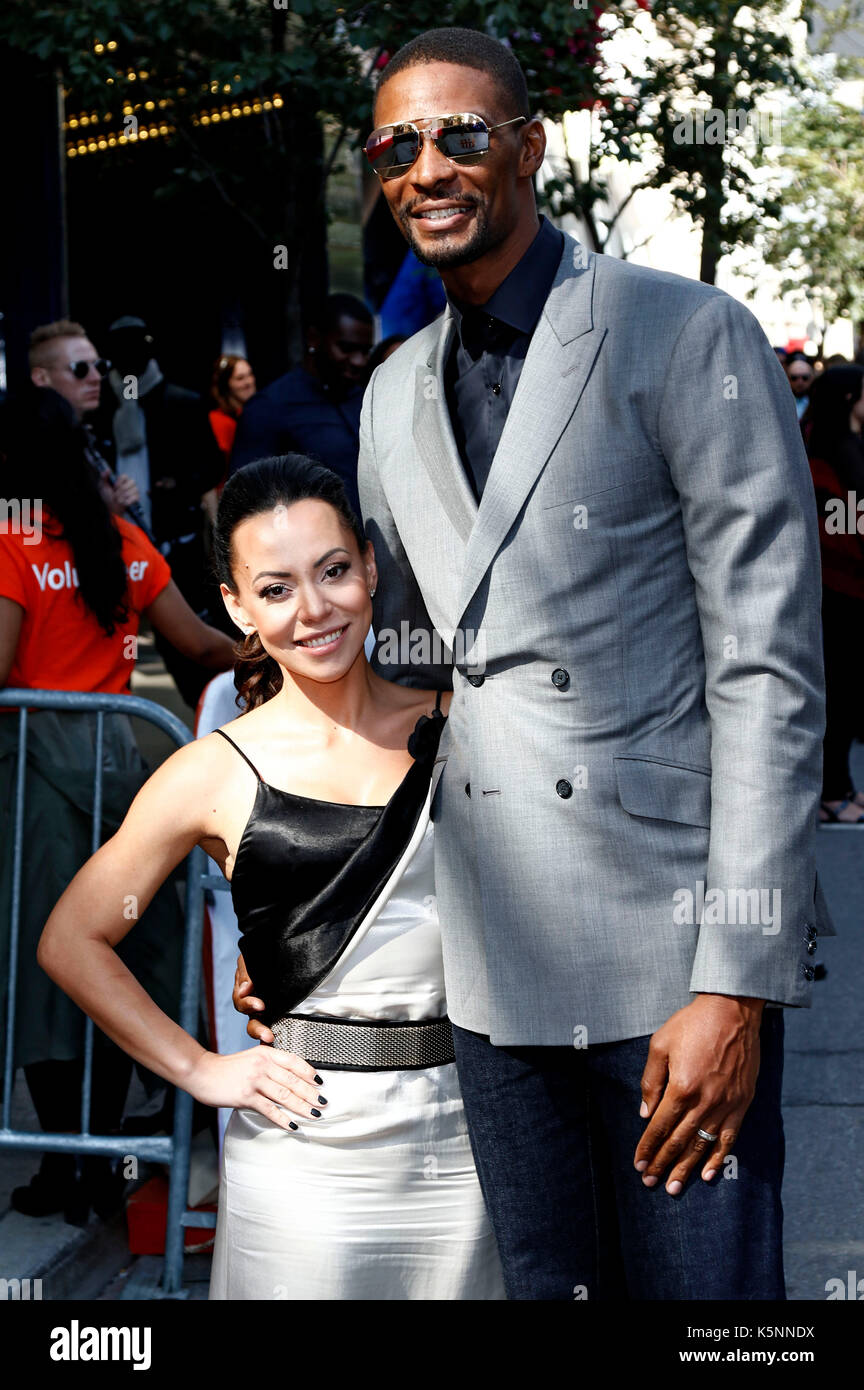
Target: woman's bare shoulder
(197,764)
(180,796)
(198,770)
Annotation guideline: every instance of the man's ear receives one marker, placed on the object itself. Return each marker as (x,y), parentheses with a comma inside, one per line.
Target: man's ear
(533,147)
(235,610)
(39,376)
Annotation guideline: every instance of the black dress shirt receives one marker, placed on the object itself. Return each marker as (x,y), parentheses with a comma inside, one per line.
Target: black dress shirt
(485,362)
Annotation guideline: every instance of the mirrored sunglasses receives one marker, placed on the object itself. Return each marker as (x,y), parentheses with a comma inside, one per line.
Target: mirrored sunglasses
(462,138)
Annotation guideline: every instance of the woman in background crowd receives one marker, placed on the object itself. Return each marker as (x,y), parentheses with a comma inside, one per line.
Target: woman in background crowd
(232,385)
(73,584)
(835,445)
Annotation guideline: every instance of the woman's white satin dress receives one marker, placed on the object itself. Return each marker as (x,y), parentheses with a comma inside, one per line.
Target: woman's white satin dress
(379,1198)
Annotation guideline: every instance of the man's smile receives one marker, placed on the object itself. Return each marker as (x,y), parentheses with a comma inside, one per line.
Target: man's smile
(441,216)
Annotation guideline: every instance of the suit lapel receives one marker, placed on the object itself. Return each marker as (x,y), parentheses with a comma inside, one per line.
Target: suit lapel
(553,377)
(433,436)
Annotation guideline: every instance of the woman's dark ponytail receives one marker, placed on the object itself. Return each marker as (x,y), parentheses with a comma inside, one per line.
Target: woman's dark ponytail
(257,488)
(256,675)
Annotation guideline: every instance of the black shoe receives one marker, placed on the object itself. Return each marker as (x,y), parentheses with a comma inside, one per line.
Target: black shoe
(45,1197)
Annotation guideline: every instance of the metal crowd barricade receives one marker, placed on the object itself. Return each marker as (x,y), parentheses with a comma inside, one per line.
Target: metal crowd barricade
(173,1149)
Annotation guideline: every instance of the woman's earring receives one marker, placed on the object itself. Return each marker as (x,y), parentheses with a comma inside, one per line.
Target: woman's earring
(371,593)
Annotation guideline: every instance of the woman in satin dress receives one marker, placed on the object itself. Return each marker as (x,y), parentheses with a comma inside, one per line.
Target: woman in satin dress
(347,1170)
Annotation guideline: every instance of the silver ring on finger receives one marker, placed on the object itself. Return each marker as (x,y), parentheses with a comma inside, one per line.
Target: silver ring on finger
(709,1138)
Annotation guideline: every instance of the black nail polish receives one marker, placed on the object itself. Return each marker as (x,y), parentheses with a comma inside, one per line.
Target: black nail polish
(291,1125)
(317,1114)
(322,1100)
(319,1080)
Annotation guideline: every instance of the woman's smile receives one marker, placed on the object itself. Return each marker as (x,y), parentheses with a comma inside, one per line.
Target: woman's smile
(324,642)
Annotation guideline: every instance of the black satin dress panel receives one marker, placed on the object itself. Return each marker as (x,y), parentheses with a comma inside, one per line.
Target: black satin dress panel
(307,872)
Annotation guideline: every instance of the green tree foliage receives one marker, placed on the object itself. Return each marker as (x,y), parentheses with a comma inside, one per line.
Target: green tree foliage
(818,240)
(194,55)
(707,56)
(187,56)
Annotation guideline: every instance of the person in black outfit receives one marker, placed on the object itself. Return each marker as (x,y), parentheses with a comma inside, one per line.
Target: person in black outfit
(315,408)
(159,435)
(833,428)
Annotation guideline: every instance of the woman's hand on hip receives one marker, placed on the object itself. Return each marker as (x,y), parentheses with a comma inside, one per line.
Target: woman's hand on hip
(262,1079)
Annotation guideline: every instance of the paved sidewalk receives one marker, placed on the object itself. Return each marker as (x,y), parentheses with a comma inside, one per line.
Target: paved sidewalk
(824,1085)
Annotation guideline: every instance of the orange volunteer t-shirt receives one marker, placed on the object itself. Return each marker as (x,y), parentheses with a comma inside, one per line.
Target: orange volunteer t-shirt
(62,644)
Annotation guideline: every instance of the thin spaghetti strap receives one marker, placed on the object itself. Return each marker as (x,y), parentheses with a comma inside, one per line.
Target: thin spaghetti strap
(242,754)
(438,700)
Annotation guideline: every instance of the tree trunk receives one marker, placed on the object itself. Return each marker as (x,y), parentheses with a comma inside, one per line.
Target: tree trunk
(301,216)
(712,212)
(713,163)
(710,253)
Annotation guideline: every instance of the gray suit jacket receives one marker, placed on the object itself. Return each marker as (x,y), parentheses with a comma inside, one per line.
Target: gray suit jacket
(628,777)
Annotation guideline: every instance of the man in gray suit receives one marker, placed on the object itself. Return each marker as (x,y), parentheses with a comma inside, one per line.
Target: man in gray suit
(586,484)
(591,511)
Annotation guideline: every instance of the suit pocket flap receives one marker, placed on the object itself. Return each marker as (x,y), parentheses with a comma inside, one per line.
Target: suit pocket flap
(664,791)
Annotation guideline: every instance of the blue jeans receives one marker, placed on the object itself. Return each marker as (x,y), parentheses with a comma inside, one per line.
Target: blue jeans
(554,1131)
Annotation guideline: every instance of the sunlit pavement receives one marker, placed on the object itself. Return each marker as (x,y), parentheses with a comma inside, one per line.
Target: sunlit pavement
(824,1085)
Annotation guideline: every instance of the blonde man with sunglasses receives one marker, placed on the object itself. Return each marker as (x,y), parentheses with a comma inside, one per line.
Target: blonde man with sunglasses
(63,359)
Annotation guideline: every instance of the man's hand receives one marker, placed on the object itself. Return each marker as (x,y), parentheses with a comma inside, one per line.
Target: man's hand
(246,1003)
(700,1074)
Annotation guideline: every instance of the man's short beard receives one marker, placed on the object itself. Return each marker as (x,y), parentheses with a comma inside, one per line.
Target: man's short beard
(442,257)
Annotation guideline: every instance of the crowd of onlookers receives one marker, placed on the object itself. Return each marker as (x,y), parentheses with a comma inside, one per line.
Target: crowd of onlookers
(117,472)
(161,454)
(110,476)
(829,401)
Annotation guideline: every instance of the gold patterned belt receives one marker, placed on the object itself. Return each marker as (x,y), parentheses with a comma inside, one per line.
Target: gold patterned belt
(365,1044)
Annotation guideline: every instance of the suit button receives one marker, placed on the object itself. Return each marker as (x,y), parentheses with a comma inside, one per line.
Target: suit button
(475,680)
(812,948)
(564,788)
(467,788)
(496,389)
(810,931)
(561,678)
(809,972)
